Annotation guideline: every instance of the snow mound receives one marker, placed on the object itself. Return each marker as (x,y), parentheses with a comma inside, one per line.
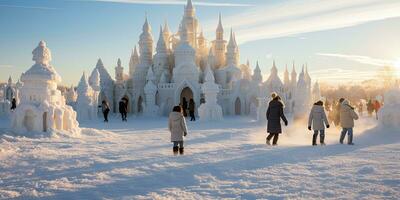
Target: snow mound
(366,170)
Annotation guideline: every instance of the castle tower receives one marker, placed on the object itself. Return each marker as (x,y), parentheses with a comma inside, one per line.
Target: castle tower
(167,35)
(185,60)
(293,74)
(191,23)
(146,45)
(257,76)
(307,78)
(133,62)
(86,106)
(286,80)
(219,45)
(161,62)
(119,73)
(232,54)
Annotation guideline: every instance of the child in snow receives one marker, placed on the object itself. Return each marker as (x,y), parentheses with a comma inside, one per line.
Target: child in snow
(274,116)
(105,109)
(347,117)
(178,129)
(318,120)
(123,109)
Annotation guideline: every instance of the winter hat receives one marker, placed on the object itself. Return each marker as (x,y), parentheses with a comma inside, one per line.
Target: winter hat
(273,95)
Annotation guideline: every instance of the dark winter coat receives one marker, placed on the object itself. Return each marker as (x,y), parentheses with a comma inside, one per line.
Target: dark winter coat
(274,116)
(13,104)
(122,107)
(191,106)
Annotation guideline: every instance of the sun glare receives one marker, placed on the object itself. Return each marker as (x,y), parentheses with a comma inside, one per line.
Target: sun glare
(397,67)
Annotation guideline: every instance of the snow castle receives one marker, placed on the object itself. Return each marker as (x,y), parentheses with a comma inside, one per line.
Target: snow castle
(42,108)
(160,79)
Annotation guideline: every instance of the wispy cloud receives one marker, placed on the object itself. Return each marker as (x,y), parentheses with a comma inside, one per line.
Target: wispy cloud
(340,75)
(175,2)
(28,7)
(294,17)
(360,59)
(6,66)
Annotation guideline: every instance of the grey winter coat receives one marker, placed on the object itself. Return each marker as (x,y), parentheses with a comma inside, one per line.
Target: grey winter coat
(317,118)
(347,115)
(177,126)
(274,116)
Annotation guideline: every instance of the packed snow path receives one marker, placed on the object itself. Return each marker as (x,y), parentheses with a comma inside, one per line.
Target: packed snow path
(134,160)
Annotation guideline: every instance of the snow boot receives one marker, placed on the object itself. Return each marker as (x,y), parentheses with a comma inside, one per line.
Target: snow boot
(350,139)
(175,150)
(314,139)
(268,142)
(322,139)
(181,151)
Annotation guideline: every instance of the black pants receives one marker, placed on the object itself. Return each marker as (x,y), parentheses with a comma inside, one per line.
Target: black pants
(105,114)
(123,115)
(192,117)
(276,137)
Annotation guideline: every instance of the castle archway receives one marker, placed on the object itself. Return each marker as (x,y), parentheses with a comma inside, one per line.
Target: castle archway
(140,105)
(238,106)
(29,120)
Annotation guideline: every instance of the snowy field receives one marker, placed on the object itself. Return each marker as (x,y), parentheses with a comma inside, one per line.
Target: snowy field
(134,160)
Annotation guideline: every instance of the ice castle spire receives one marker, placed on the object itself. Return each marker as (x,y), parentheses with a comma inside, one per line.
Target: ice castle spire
(286,80)
(134,61)
(41,54)
(220,29)
(257,76)
(161,45)
(146,45)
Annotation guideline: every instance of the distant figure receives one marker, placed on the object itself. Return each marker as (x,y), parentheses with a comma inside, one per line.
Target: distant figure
(184,105)
(337,112)
(377,106)
(13,104)
(347,117)
(274,116)
(370,107)
(192,107)
(318,120)
(178,129)
(360,108)
(105,108)
(123,109)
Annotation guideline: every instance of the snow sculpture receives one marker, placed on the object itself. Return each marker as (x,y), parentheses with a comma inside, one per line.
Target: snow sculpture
(42,108)
(150,89)
(86,104)
(316,93)
(210,110)
(389,114)
(302,97)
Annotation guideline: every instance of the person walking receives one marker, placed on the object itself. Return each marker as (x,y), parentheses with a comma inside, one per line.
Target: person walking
(377,107)
(184,105)
(192,107)
(178,129)
(105,108)
(370,107)
(337,112)
(347,117)
(13,104)
(274,116)
(123,109)
(360,108)
(318,120)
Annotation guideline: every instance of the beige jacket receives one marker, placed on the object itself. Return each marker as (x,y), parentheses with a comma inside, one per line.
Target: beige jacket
(347,115)
(177,126)
(317,118)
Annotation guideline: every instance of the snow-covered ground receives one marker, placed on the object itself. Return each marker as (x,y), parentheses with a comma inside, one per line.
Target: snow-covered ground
(134,160)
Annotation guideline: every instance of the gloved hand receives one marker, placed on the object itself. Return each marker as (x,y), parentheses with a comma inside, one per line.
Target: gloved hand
(309,128)
(286,123)
(184,133)
(327,126)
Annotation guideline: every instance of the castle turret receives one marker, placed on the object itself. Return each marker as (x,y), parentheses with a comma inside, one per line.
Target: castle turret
(167,35)
(257,76)
(119,72)
(232,54)
(210,110)
(86,104)
(307,77)
(191,23)
(286,80)
(293,74)
(161,62)
(146,45)
(219,45)
(134,61)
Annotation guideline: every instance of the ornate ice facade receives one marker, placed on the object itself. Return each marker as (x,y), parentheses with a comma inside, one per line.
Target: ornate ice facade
(159,80)
(42,108)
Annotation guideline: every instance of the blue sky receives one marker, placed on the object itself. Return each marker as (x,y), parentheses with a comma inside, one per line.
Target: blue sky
(337,39)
